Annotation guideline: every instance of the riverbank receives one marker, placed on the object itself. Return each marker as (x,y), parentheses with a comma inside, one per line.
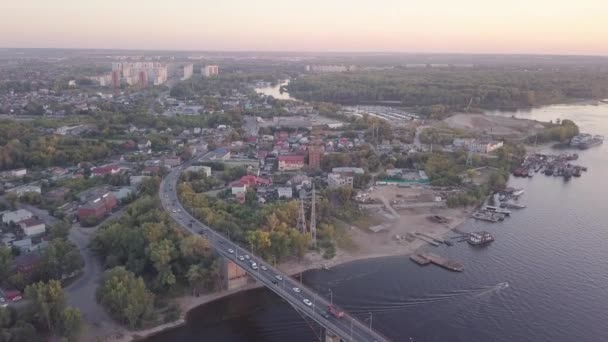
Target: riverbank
(377,245)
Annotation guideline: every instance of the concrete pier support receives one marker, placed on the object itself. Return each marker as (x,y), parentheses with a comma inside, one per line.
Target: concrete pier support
(234,275)
(331,337)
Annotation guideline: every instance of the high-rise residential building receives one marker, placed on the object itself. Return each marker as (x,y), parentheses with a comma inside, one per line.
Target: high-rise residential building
(315,153)
(188,71)
(115,78)
(142,78)
(140,73)
(210,70)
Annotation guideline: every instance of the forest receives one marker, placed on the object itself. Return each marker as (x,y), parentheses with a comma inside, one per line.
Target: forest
(147,259)
(437,92)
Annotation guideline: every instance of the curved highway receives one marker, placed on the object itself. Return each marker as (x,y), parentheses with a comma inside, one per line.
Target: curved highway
(301,298)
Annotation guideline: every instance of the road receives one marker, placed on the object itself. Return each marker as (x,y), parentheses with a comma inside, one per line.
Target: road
(347,328)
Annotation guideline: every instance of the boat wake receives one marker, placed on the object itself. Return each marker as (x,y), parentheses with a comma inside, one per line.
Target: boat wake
(394,306)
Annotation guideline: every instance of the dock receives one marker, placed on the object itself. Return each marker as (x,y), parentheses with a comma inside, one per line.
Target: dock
(426,239)
(436,239)
(443,262)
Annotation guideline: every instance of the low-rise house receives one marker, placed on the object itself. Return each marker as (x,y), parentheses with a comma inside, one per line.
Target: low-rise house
(27,264)
(351,170)
(172,161)
(477,146)
(238,189)
(32,226)
(21,190)
(285,192)
(58,195)
(24,246)
(218,154)
(16,216)
(337,180)
(101,171)
(290,163)
(197,168)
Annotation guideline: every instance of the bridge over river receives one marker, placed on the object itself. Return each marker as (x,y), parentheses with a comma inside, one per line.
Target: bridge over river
(309,303)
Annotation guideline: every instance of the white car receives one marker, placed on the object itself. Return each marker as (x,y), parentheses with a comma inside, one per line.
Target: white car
(264,268)
(307,302)
(278,277)
(296,289)
(230,250)
(173,211)
(254,266)
(247,257)
(241,258)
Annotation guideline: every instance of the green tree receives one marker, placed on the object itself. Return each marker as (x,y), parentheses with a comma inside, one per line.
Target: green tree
(71,323)
(126,297)
(6,258)
(47,303)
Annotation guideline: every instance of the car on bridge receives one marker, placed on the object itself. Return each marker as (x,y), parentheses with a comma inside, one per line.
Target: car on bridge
(278,276)
(230,250)
(241,258)
(296,289)
(264,268)
(307,302)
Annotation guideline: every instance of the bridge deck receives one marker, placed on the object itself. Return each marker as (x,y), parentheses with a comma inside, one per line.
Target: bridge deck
(347,328)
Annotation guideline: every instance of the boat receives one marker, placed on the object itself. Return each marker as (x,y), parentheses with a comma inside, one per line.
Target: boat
(518,192)
(480,238)
(485,217)
(512,205)
(497,210)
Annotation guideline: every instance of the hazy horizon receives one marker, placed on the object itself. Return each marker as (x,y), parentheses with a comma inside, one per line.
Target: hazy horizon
(389,26)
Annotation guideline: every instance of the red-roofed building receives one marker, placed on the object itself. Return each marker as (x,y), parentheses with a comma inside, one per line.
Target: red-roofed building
(290,163)
(98,207)
(105,170)
(251,180)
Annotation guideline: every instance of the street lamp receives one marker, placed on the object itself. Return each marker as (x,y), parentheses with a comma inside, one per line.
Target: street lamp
(331,297)
(351,328)
(371,316)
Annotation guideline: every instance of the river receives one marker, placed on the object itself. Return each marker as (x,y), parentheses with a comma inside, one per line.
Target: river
(545,278)
(275,91)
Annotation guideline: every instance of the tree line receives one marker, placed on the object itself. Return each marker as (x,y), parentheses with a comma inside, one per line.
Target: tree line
(438,91)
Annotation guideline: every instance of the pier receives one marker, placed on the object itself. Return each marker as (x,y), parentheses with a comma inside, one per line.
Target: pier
(426,258)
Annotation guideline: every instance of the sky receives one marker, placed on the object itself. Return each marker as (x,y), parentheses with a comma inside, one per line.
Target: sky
(446,26)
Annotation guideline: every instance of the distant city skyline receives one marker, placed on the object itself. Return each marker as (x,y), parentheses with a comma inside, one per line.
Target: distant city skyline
(434,26)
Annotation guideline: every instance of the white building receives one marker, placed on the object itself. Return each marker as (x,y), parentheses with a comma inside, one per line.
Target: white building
(285,192)
(353,170)
(239,189)
(336,180)
(32,226)
(188,71)
(210,70)
(16,216)
(20,190)
(197,168)
(477,146)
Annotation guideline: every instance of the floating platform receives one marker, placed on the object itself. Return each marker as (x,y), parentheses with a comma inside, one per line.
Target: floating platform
(443,262)
(420,260)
